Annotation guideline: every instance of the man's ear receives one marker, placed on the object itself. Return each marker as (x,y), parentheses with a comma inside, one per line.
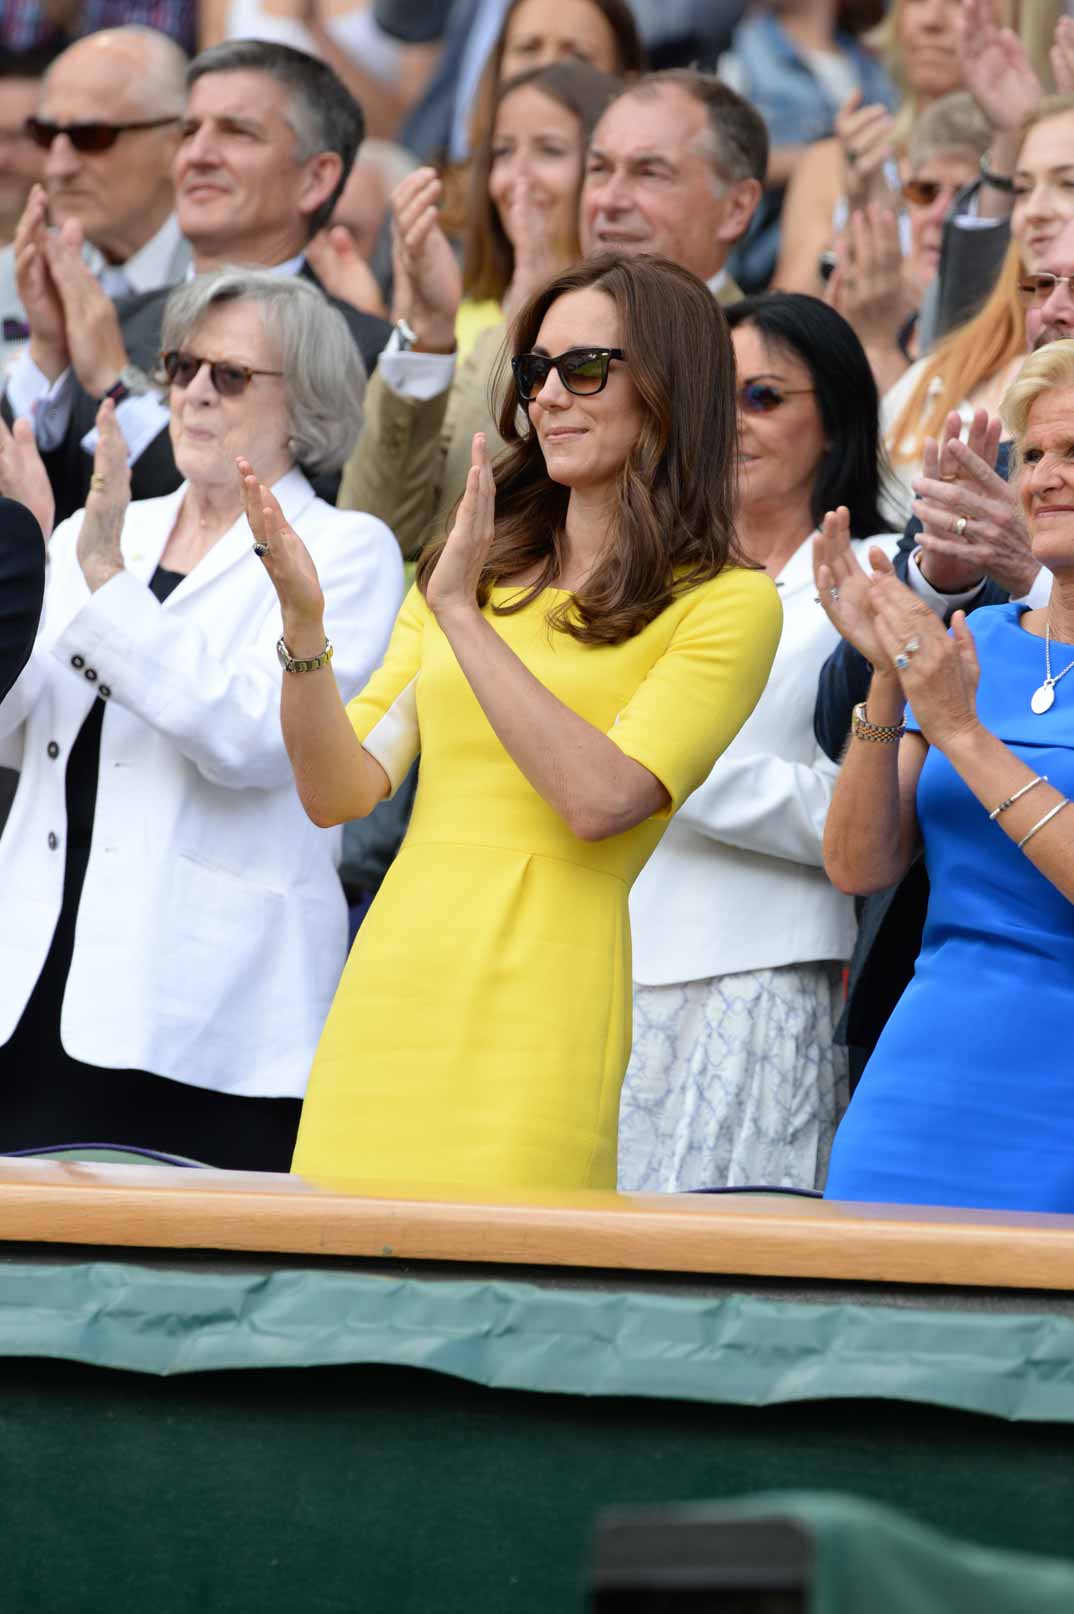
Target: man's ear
(319,179)
(741,200)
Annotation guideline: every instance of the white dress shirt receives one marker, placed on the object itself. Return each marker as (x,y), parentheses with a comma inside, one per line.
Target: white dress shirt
(212,928)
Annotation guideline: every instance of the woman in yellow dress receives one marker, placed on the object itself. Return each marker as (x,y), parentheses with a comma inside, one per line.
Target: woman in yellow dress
(570,663)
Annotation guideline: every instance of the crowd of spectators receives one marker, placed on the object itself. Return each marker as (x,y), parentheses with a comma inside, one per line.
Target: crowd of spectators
(639,328)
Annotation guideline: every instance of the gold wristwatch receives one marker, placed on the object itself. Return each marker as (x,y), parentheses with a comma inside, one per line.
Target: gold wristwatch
(289,663)
(883,733)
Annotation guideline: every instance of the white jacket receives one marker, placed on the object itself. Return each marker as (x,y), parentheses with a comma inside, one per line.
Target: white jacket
(212,929)
(738,883)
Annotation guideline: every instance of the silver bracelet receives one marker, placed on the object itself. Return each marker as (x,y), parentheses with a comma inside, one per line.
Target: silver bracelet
(1028,836)
(1041,779)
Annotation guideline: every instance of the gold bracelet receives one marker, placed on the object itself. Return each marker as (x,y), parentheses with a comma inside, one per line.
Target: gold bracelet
(1029,834)
(882,733)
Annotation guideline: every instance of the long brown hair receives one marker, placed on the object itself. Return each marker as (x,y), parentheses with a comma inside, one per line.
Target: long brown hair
(673,524)
(488,256)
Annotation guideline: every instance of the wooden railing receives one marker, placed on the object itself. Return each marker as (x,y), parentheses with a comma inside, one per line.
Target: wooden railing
(747,1235)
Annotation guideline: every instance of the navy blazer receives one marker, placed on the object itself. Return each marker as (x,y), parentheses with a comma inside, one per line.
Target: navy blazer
(22,588)
(890,922)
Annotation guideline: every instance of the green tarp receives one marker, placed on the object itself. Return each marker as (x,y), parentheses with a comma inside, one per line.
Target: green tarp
(187,1317)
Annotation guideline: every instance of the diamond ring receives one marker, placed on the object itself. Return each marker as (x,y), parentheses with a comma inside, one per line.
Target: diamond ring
(960,526)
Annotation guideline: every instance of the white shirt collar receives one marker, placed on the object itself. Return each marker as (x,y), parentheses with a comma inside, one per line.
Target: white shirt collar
(717,281)
(151,265)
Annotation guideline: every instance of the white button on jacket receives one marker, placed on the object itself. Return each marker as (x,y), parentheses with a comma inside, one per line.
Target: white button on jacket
(212,927)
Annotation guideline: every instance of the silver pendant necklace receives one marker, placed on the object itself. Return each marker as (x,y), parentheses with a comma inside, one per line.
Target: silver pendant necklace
(1044,697)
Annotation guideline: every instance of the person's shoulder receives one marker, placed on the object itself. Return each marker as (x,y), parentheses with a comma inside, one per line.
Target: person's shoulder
(17,521)
(989,621)
(745,591)
(352,526)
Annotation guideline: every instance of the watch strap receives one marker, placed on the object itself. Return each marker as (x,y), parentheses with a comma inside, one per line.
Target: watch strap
(998,182)
(292,664)
(881,733)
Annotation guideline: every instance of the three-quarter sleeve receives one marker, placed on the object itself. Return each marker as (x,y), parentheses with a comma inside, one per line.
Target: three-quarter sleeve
(699,693)
(385,715)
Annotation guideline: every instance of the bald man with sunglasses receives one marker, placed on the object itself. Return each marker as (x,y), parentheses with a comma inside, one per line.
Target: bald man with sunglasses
(106,128)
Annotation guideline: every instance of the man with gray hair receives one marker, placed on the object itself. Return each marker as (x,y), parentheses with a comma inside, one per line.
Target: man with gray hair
(266,142)
(107,127)
(676,168)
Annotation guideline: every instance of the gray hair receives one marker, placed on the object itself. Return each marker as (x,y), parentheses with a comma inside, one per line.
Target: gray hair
(389,160)
(953,123)
(736,136)
(323,373)
(321,110)
(159,65)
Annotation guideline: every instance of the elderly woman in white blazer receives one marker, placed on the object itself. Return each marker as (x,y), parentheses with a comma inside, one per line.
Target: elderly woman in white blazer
(739,938)
(172,927)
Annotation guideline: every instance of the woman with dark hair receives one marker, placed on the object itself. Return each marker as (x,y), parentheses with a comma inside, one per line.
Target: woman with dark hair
(424,404)
(569,664)
(739,939)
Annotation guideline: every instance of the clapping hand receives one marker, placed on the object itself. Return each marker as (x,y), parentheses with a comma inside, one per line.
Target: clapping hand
(1062,55)
(40,298)
(864,134)
(844,588)
(428,281)
(94,340)
(454,583)
(288,564)
(342,271)
(23,476)
(99,551)
(971,519)
(938,671)
(867,286)
(537,257)
(998,73)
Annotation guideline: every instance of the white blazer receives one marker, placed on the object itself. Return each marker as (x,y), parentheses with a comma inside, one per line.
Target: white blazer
(738,882)
(212,928)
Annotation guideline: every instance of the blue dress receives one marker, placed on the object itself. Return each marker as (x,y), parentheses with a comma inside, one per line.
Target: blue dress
(969,1096)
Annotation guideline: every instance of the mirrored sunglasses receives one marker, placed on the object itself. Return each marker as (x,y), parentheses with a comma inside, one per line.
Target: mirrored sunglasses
(86,136)
(228,379)
(582,370)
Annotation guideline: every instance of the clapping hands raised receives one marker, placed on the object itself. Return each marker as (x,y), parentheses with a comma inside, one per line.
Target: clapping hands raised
(454,583)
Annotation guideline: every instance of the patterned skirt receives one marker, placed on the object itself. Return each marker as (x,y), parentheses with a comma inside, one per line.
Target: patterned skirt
(733,1081)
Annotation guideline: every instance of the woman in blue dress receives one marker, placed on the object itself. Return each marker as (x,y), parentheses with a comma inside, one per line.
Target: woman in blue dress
(964,752)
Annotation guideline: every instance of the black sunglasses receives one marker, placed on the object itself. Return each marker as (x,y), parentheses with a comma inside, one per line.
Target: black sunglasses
(228,379)
(86,136)
(760,397)
(582,370)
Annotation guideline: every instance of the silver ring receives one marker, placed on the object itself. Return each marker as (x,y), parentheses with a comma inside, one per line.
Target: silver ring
(911,647)
(261,550)
(960,526)
(901,662)
(833,593)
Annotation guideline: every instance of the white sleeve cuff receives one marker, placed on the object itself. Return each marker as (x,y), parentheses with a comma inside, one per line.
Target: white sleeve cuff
(396,739)
(422,376)
(141,418)
(33,397)
(933,598)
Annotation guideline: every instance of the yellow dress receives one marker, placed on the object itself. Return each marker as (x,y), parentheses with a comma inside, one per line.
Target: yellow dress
(482,1025)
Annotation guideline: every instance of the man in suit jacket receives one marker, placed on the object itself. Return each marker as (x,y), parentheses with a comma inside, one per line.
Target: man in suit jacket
(267,141)
(128,83)
(22,588)
(711,150)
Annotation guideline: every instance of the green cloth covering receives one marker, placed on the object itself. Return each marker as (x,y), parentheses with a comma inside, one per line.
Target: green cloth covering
(865,1557)
(604,1338)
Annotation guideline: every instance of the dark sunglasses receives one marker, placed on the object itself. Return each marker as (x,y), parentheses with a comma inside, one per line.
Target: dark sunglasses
(1038,288)
(229,379)
(582,370)
(86,136)
(923,192)
(760,397)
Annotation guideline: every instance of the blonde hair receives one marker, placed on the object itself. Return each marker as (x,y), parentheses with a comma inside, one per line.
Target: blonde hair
(962,362)
(1052,367)
(884,39)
